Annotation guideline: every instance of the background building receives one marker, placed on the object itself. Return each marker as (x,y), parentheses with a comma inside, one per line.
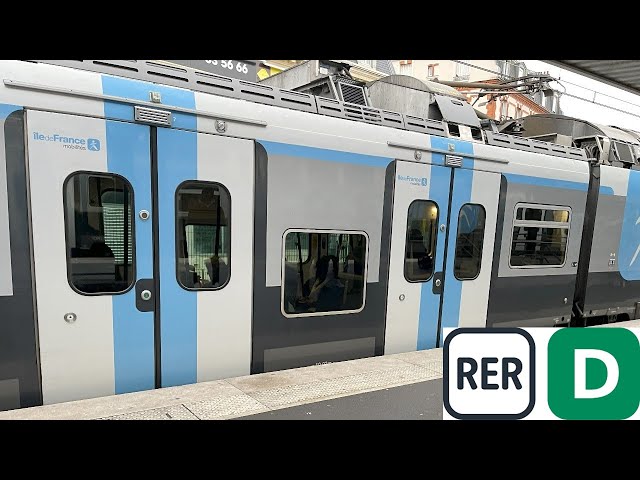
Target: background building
(502,107)
(364,70)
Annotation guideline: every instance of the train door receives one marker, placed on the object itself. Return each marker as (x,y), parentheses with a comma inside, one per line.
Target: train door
(443,220)
(205,193)
(132,240)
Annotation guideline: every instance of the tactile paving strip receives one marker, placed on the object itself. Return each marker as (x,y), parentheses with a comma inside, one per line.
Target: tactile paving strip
(226,407)
(352,384)
(175,412)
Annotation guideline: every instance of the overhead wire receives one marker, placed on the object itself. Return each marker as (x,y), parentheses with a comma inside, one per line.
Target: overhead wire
(560,82)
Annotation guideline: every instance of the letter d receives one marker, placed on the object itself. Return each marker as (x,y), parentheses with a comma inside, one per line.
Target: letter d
(613,372)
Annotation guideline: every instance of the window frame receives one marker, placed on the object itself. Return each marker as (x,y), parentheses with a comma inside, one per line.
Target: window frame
(365,272)
(540,224)
(455,246)
(406,239)
(134,273)
(176,238)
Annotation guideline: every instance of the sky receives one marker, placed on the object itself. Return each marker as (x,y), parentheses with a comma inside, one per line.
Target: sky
(590,90)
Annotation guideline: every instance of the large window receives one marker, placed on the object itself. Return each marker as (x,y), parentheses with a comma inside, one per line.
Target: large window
(469,240)
(540,235)
(462,70)
(420,249)
(203,235)
(406,67)
(99,232)
(323,272)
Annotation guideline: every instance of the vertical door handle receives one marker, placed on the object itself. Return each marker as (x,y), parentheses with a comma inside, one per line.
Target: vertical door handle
(438,281)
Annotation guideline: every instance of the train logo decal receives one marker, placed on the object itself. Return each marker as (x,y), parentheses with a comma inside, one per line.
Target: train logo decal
(418,181)
(73,143)
(93,144)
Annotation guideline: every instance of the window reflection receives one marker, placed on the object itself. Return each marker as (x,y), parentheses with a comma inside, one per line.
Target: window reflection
(99,232)
(203,237)
(324,272)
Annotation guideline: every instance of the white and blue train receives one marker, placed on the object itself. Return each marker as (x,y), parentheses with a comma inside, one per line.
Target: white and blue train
(163,226)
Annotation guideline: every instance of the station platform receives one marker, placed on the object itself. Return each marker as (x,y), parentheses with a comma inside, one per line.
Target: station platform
(332,390)
(403,386)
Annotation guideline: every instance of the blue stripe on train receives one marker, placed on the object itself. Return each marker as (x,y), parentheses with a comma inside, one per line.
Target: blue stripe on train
(463,181)
(177,158)
(629,247)
(128,155)
(430,302)
(547,182)
(439,192)
(6,109)
(275,148)
(177,162)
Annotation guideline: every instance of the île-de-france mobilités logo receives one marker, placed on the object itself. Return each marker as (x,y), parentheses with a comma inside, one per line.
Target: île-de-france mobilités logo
(541,373)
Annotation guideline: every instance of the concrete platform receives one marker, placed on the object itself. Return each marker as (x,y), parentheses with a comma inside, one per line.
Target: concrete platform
(253,394)
(417,401)
(400,386)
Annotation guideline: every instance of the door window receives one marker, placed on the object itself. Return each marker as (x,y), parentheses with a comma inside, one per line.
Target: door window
(99,233)
(420,249)
(203,235)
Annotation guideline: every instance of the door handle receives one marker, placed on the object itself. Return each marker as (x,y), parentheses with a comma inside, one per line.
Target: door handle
(438,281)
(144,295)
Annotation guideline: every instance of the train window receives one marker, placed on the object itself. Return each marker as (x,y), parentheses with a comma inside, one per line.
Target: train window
(540,234)
(203,235)
(469,240)
(420,246)
(323,272)
(99,233)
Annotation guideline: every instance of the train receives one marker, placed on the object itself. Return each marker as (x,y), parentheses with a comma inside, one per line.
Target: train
(162,226)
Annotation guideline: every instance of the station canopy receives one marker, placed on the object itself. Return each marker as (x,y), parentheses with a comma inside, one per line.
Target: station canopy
(624,74)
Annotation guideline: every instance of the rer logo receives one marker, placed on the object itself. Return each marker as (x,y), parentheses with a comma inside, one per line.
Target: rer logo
(489,373)
(589,373)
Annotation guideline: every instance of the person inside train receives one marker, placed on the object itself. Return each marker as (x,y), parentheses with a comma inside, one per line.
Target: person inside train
(218,271)
(327,290)
(419,251)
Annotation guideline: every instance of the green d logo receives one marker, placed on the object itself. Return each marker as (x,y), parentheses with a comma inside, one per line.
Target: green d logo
(593,373)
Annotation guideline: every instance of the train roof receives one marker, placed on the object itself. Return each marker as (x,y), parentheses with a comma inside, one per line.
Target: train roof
(165,73)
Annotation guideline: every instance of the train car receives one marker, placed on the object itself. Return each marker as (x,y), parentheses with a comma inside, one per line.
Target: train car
(608,287)
(163,226)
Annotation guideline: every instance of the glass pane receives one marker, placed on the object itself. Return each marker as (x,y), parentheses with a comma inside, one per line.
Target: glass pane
(533,214)
(99,230)
(203,235)
(422,223)
(538,246)
(519,213)
(470,238)
(291,252)
(556,216)
(331,280)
